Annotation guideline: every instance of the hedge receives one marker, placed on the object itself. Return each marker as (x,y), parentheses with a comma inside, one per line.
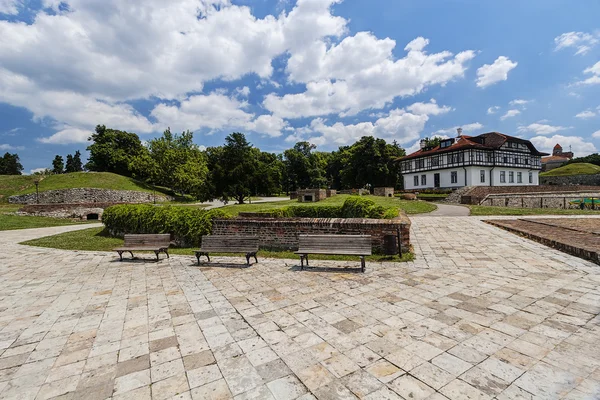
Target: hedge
(186,224)
(353,207)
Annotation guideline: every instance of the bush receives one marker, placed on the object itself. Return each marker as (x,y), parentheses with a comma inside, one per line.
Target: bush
(186,224)
(353,207)
(314,211)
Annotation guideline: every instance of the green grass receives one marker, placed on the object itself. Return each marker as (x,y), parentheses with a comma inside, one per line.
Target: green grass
(10,222)
(573,169)
(11,185)
(488,210)
(95,239)
(410,207)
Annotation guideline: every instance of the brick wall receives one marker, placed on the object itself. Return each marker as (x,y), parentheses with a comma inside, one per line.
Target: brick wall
(282,233)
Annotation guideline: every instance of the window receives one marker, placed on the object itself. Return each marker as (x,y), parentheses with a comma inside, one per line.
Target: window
(420,163)
(502,176)
(531,177)
(519,177)
(482,176)
(454,177)
(511,177)
(490,157)
(416,180)
(505,160)
(435,161)
(423,180)
(446,143)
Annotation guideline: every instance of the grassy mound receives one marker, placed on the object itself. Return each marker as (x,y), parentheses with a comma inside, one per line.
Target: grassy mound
(11,185)
(574,169)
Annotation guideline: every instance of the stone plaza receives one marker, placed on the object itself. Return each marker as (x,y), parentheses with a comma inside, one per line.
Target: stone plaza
(480,314)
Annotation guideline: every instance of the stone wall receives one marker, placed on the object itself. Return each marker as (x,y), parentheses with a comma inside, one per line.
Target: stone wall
(540,200)
(86,196)
(589,180)
(314,194)
(477,194)
(282,233)
(73,211)
(384,191)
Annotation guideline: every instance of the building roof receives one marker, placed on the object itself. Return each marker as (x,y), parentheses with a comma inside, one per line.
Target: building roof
(552,159)
(558,146)
(485,141)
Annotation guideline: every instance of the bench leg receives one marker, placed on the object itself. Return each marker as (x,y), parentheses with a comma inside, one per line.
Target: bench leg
(156,252)
(306,257)
(200,254)
(166,252)
(198,258)
(255,259)
(362,264)
(301,262)
(248,259)
(131,254)
(120,255)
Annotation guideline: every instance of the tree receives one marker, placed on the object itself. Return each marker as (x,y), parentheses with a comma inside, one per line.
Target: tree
(268,174)
(433,141)
(74,163)
(112,150)
(58,166)
(370,161)
(304,168)
(173,161)
(233,169)
(10,164)
(591,159)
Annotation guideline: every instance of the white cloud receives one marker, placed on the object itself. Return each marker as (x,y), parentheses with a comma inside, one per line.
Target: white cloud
(519,102)
(33,171)
(398,125)
(594,70)
(579,145)
(467,128)
(361,73)
(490,74)
(586,114)
(430,108)
(581,41)
(243,91)
(510,114)
(5,147)
(596,134)
(541,129)
(493,109)
(68,136)
(215,111)
(10,7)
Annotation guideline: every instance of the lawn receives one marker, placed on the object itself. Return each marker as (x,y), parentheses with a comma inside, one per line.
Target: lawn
(410,207)
(574,169)
(11,185)
(488,210)
(10,222)
(94,239)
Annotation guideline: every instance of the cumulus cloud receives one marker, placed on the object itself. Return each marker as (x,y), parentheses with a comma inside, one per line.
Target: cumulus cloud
(519,102)
(33,171)
(430,108)
(579,145)
(596,134)
(493,109)
(510,114)
(215,111)
(361,73)
(467,128)
(586,114)
(398,125)
(68,136)
(541,129)
(581,41)
(10,7)
(490,74)
(594,70)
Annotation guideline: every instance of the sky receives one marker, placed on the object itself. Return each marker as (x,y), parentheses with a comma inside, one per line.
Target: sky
(282,71)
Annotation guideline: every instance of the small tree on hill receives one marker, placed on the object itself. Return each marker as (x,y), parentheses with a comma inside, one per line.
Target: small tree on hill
(58,165)
(10,164)
(74,163)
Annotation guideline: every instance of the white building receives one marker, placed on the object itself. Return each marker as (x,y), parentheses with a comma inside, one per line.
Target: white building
(490,159)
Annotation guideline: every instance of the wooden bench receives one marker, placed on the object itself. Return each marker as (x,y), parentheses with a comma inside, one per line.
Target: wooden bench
(347,245)
(158,243)
(228,244)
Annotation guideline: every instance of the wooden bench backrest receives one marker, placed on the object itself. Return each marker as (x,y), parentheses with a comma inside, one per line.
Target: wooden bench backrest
(235,243)
(157,240)
(358,243)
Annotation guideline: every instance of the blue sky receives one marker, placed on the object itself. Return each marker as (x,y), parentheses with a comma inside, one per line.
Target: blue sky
(326,71)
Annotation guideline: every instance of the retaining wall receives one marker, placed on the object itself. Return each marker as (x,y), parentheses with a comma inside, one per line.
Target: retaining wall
(86,196)
(282,233)
(589,180)
(540,200)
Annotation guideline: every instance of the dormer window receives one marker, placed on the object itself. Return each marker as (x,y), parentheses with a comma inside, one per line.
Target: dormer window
(446,143)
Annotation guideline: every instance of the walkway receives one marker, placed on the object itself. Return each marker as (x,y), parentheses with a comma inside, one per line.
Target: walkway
(218,203)
(446,210)
(480,314)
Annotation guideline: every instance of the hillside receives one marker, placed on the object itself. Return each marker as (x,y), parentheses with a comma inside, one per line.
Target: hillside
(574,169)
(11,185)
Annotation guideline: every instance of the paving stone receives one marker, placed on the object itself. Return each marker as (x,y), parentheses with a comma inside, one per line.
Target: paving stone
(286,388)
(410,388)
(217,390)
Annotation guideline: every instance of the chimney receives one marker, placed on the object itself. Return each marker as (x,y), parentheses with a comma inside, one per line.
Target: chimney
(459,131)
(423,144)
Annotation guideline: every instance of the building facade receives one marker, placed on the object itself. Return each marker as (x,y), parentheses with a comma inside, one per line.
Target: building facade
(490,159)
(557,159)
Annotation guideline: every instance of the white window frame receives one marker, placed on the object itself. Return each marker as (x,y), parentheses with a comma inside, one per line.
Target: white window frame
(511,176)
(423,180)
(482,175)
(502,176)
(519,177)
(530,177)
(453,177)
(416,180)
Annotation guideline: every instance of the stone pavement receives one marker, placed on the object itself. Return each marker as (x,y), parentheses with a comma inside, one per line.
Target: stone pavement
(480,314)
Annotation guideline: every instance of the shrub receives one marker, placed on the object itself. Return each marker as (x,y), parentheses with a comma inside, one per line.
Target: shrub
(186,224)
(358,207)
(314,211)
